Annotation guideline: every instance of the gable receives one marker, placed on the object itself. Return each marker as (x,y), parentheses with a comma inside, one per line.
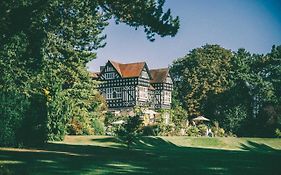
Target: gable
(129,70)
(145,74)
(109,72)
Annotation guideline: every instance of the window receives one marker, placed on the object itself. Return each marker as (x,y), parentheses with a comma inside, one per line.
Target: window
(113,93)
(167,97)
(143,92)
(110,75)
(109,68)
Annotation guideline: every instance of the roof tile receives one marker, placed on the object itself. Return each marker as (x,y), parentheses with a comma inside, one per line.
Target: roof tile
(159,75)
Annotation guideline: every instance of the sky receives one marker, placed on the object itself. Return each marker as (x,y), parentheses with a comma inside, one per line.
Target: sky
(251,24)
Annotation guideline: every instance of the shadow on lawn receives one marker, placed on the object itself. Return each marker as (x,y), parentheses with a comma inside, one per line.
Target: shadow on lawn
(256,147)
(152,155)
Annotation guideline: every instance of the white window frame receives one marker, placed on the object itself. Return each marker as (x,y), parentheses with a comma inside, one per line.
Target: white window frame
(167,97)
(109,93)
(143,92)
(109,68)
(109,75)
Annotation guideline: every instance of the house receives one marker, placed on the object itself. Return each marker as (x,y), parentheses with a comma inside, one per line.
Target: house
(125,86)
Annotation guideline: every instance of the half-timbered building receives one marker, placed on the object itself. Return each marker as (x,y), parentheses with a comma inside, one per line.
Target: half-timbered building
(133,84)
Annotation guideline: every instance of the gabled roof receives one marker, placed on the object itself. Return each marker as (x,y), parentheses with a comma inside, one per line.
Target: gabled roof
(116,66)
(159,75)
(128,70)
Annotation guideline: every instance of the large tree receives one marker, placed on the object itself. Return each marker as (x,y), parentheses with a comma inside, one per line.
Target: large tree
(201,74)
(44,48)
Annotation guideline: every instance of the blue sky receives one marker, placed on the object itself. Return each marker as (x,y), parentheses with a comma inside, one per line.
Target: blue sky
(251,24)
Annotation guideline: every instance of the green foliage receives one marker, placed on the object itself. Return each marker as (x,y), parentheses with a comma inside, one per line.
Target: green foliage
(179,116)
(74,127)
(44,48)
(192,131)
(130,130)
(201,73)
(13,107)
(234,119)
(167,130)
(202,129)
(268,119)
(109,118)
(217,131)
(58,115)
(98,127)
(146,13)
(234,88)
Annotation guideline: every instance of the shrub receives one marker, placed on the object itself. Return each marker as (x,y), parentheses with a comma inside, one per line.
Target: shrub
(167,130)
(130,130)
(192,131)
(98,127)
(202,129)
(74,127)
(217,131)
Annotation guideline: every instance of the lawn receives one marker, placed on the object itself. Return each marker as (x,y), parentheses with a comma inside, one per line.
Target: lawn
(151,155)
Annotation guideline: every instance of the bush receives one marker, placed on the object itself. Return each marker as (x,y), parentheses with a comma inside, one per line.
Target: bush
(74,127)
(217,131)
(98,127)
(167,130)
(192,131)
(202,129)
(130,130)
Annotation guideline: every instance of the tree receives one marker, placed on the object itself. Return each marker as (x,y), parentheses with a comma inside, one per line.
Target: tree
(202,73)
(269,117)
(45,45)
(130,130)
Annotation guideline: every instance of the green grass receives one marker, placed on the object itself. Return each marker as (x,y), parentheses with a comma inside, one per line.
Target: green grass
(151,155)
